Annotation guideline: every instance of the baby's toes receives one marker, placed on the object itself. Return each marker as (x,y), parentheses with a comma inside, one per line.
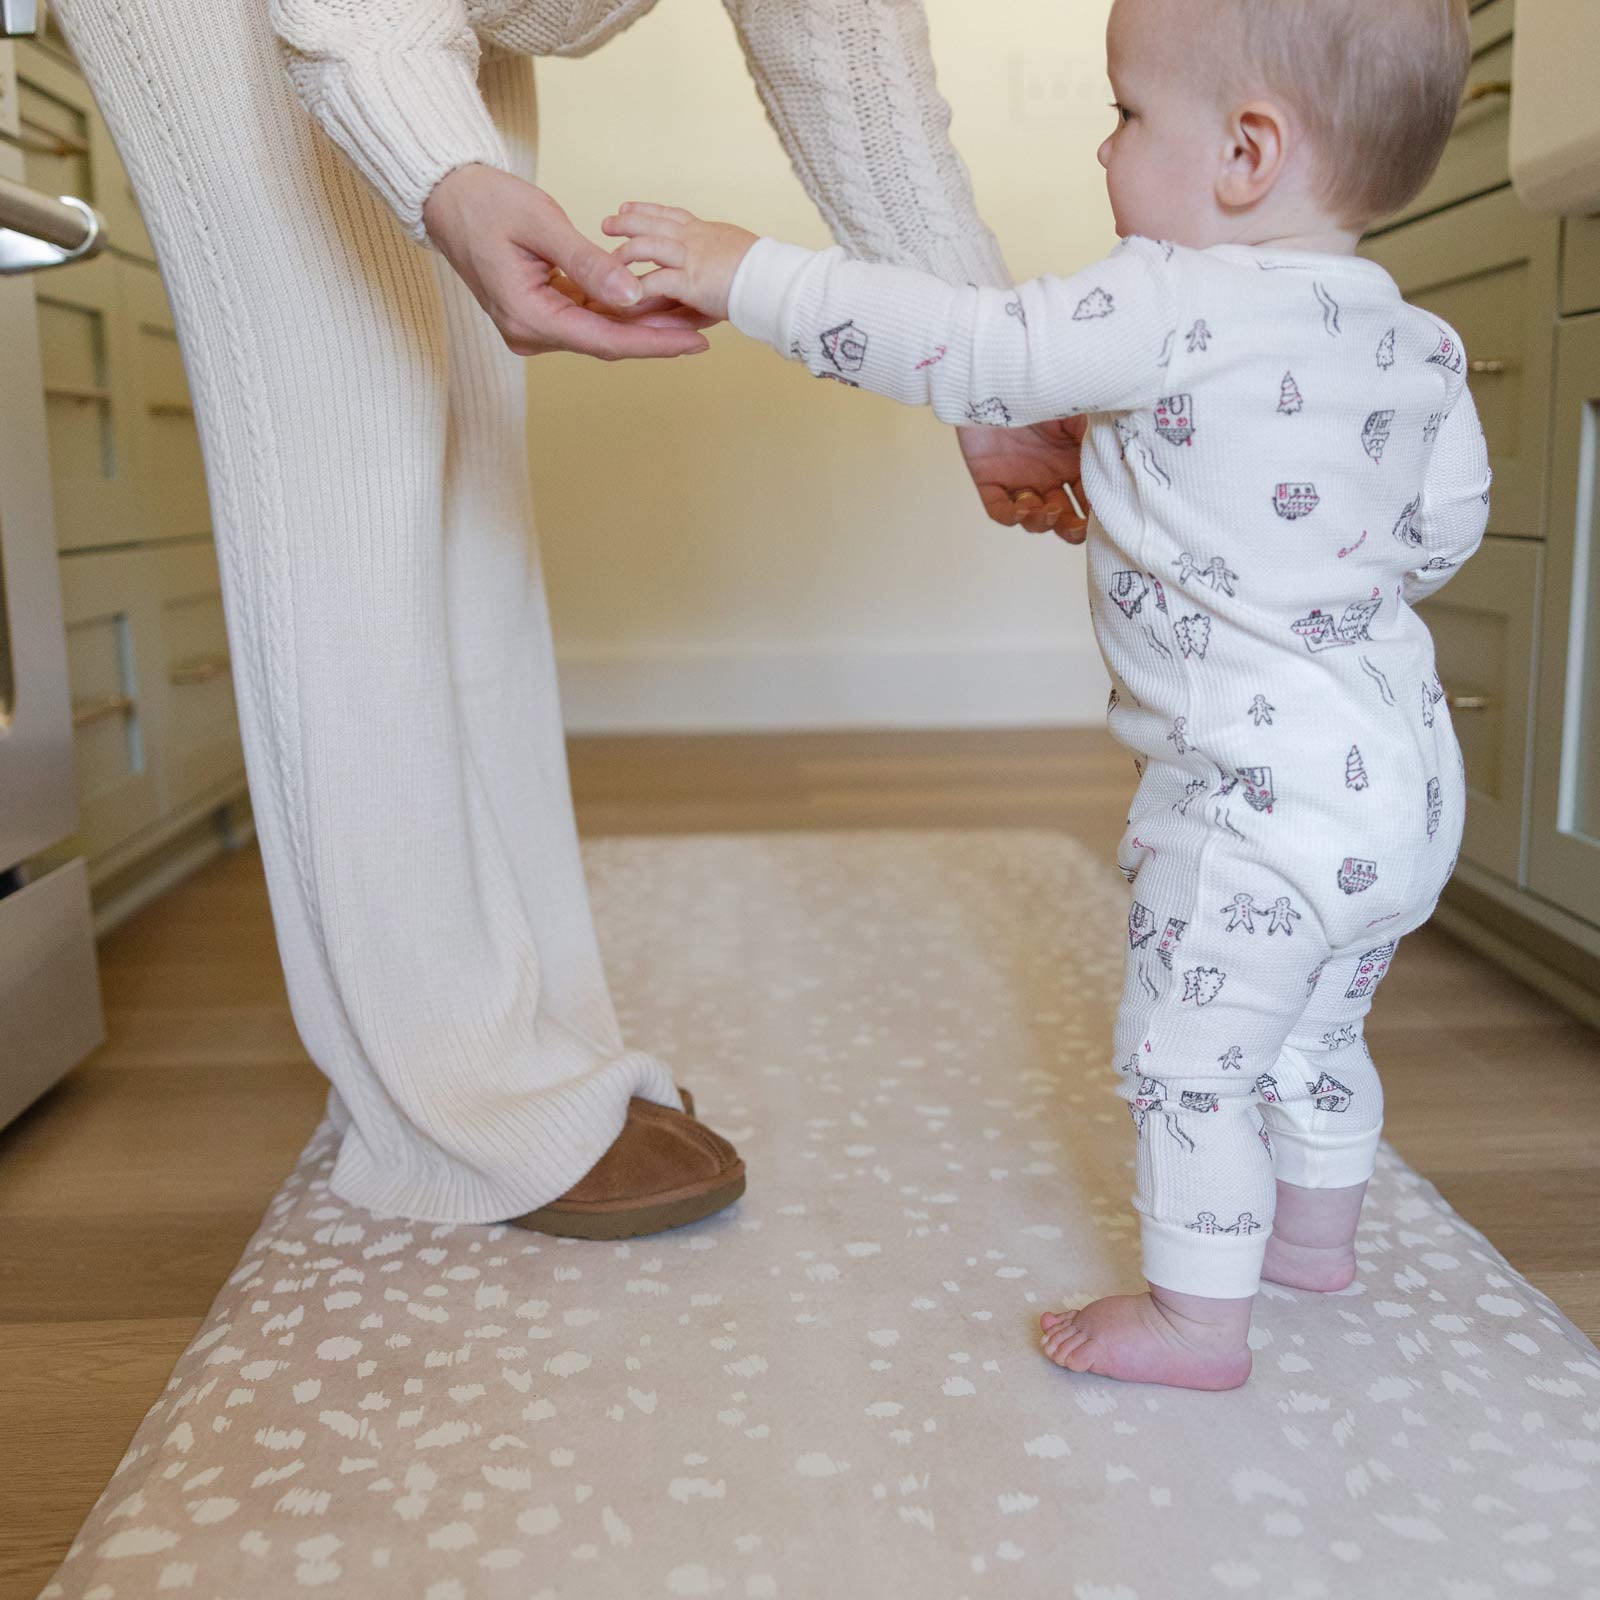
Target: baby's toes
(1081,1355)
(1050,1319)
(1060,1344)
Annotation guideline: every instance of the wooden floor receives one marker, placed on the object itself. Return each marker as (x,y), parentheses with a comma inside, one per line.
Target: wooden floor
(127,1194)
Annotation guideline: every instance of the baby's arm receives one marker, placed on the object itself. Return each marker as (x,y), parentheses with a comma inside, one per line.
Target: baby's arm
(1050,348)
(1455,501)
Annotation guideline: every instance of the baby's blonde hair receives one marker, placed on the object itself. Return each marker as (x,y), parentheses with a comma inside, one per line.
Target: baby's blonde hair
(1375,83)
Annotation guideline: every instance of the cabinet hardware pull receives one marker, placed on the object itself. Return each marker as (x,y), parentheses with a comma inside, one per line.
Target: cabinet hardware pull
(1468,702)
(169,408)
(38,231)
(112,705)
(201,669)
(85,393)
(1492,90)
(1492,367)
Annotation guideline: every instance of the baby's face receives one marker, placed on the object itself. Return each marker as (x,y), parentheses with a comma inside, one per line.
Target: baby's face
(1161,161)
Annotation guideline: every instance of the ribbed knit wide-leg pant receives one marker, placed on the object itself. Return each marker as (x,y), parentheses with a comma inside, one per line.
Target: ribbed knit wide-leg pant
(363,435)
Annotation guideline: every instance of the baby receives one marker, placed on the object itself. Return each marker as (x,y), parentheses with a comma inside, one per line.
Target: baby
(1283,458)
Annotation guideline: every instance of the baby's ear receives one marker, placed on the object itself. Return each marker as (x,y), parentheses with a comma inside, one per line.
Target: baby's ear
(1255,150)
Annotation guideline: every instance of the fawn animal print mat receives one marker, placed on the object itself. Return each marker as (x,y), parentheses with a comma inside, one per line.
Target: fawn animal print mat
(834,1389)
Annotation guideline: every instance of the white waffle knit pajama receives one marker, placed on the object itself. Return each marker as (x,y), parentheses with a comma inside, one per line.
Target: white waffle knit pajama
(1283,457)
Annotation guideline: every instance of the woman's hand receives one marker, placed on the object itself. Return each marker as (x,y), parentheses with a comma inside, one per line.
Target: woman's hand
(696,260)
(1023,475)
(542,283)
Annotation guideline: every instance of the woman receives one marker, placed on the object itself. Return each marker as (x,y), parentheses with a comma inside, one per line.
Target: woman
(363,431)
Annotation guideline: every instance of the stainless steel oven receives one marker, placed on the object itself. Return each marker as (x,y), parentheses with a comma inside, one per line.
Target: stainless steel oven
(50,1015)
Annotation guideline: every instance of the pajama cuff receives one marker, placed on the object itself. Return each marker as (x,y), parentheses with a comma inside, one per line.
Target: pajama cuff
(760,299)
(1323,1161)
(1220,1266)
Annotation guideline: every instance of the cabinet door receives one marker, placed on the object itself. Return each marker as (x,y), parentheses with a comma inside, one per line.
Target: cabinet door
(1483,625)
(171,474)
(8,88)
(201,749)
(1564,862)
(82,331)
(1580,264)
(1477,157)
(114,659)
(48,76)
(1489,269)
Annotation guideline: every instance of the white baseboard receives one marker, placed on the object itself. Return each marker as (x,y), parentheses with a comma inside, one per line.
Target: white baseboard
(732,692)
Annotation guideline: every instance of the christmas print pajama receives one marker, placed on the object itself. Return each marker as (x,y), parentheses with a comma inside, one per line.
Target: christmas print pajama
(1283,458)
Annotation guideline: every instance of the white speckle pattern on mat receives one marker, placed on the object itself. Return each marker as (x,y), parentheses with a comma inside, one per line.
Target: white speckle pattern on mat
(835,1387)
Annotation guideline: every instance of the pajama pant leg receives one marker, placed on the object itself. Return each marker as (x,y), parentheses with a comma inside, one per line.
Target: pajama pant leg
(363,435)
(1323,1105)
(1215,989)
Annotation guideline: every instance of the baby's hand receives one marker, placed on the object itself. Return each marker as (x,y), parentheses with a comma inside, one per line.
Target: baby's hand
(696,260)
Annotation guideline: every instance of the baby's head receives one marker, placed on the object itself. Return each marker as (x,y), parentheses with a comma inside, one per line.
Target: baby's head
(1248,121)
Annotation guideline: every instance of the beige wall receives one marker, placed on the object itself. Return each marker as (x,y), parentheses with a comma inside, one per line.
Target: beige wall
(730,543)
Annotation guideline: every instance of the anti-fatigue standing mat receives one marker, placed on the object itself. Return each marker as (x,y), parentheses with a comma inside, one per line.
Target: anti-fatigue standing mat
(834,1389)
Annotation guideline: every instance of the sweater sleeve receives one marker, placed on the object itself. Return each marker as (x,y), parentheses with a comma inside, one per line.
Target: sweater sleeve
(1449,522)
(394,84)
(1054,347)
(849,86)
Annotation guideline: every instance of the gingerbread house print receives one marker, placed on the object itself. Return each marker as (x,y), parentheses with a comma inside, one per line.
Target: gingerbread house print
(1175,419)
(1356,876)
(1295,500)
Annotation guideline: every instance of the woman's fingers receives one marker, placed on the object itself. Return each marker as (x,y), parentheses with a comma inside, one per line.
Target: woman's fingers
(998,503)
(543,229)
(562,325)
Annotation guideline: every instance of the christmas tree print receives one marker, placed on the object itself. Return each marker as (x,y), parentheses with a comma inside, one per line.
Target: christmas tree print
(1386,351)
(1355,770)
(1290,401)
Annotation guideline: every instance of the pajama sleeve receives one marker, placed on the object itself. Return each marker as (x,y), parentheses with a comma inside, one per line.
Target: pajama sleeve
(1053,347)
(394,84)
(849,86)
(1454,509)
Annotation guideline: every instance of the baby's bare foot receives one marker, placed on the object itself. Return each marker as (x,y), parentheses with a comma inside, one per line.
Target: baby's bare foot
(1313,1243)
(1145,1338)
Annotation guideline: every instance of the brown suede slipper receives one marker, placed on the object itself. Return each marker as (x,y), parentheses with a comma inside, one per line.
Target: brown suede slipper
(665,1169)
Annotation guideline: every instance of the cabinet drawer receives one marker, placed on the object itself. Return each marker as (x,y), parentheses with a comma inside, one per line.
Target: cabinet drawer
(201,749)
(114,661)
(172,478)
(49,988)
(1580,265)
(1477,157)
(1483,630)
(1489,269)
(1564,859)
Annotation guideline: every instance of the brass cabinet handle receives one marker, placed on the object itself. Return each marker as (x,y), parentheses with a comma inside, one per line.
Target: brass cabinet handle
(50,144)
(1492,367)
(1468,702)
(112,705)
(1494,89)
(199,669)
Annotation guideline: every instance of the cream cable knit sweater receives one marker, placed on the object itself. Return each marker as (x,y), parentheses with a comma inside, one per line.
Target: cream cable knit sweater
(849,86)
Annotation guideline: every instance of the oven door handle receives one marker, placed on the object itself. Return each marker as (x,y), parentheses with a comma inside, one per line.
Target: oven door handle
(38,232)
